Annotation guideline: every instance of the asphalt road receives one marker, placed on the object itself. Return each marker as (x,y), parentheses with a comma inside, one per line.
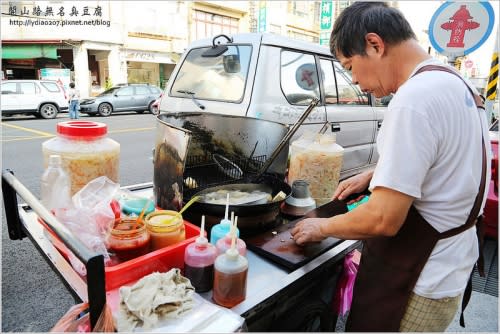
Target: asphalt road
(33,297)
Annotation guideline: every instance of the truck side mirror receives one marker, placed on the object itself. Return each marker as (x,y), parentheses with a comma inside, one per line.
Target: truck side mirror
(215,51)
(231,63)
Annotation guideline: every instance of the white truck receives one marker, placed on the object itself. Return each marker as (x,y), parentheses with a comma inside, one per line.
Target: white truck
(271,77)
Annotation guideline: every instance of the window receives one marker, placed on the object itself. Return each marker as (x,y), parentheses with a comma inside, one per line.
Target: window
(209,25)
(125,91)
(299,77)
(303,37)
(220,78)
(349,93)
(329,81)
(142,90)
(28,88)
(9,88)
(154,90)
(51,87)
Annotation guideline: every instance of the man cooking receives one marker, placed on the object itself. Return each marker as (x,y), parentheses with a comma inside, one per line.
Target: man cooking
(434,153)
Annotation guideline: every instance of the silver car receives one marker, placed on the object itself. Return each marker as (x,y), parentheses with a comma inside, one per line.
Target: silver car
(131,97)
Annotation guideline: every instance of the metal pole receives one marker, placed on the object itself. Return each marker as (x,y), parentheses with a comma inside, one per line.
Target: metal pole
(491,86)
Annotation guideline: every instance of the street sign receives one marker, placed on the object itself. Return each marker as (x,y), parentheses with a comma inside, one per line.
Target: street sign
(459,28)
(262,16)
(325,20)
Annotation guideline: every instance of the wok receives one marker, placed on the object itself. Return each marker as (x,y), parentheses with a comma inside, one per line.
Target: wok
(250,217)
(253,215)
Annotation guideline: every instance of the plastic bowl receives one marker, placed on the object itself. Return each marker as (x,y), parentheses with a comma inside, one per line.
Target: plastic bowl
(136,205)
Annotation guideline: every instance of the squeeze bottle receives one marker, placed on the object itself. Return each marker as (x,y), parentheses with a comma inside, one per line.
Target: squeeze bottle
(199,258)
(230,277)
(223,244)
(55,185)
(220,230)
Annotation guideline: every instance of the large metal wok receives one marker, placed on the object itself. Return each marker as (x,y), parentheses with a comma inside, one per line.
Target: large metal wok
(251,216)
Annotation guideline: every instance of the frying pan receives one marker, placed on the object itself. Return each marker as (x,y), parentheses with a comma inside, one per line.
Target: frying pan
(261,182)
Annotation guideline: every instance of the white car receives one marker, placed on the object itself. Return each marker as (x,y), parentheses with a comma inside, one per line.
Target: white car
(42,98)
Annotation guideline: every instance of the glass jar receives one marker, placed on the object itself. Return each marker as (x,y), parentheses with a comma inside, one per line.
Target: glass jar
(129,239)
(164,230)
(86,152)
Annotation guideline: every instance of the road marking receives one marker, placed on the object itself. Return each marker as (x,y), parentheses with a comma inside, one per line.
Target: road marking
(21,138)
(41,133)
(132,130)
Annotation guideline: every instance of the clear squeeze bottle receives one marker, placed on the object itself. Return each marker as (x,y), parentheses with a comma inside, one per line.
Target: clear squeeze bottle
(220,230)
(230,277)
(199,258)
(55,185)
(225,243)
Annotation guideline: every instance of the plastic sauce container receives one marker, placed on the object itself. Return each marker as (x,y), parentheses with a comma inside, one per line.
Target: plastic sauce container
(223,244)
(230,279)
(220,230)
(129,239)
(165,234)
(86,152)
(199,258)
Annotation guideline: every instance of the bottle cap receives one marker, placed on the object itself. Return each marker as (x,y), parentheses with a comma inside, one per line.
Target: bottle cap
(232,254)
(82,129)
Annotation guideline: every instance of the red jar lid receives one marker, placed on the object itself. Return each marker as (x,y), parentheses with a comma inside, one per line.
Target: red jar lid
(82,129)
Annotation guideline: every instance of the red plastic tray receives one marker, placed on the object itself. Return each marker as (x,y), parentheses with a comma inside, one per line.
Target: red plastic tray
(161,260)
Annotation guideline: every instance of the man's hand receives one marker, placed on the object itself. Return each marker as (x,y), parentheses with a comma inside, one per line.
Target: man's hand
(308,230)
(352,185)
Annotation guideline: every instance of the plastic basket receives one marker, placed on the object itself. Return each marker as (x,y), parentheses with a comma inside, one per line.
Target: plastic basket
(161,260)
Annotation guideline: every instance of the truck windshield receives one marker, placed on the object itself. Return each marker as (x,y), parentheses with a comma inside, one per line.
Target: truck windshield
(214,78)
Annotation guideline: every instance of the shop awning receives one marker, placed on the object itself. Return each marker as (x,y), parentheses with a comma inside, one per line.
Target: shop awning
(29,51)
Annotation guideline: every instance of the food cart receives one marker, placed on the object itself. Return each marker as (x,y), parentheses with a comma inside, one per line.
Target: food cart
(278,298)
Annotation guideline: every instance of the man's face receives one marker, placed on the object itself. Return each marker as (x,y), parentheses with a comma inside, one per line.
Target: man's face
(367,72)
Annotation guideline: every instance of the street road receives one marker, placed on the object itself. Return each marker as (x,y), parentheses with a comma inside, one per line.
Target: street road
(33,297)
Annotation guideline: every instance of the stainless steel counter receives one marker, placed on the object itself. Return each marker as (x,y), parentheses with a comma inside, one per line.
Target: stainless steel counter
(270,288)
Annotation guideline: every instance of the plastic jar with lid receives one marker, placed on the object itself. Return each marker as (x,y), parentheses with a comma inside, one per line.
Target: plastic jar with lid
(316,158)
(86,152)
(164,230)
(129,239)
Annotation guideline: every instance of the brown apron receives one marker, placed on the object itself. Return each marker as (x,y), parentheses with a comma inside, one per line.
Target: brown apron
(391,266)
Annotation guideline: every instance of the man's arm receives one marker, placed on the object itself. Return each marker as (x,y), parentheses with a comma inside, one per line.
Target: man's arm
(383,215)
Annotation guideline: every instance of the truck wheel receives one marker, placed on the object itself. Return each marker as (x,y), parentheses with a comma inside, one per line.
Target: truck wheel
(48,111)
(105,109)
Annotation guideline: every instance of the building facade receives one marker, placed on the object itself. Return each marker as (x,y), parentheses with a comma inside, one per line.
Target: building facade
(98,44)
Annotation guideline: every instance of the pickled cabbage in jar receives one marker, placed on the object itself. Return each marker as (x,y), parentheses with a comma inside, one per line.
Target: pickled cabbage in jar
(316,158)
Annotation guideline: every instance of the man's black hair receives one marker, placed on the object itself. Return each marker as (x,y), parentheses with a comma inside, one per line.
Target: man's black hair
(72,85)
(361,18)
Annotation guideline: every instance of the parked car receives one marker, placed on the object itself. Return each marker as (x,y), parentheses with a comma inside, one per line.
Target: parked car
(41,98)
(274,78)
(129,97)
(491,207)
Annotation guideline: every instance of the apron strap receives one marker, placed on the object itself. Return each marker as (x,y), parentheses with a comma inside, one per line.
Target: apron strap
(474,218)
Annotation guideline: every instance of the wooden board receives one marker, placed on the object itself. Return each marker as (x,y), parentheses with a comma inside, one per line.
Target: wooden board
(279,246)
